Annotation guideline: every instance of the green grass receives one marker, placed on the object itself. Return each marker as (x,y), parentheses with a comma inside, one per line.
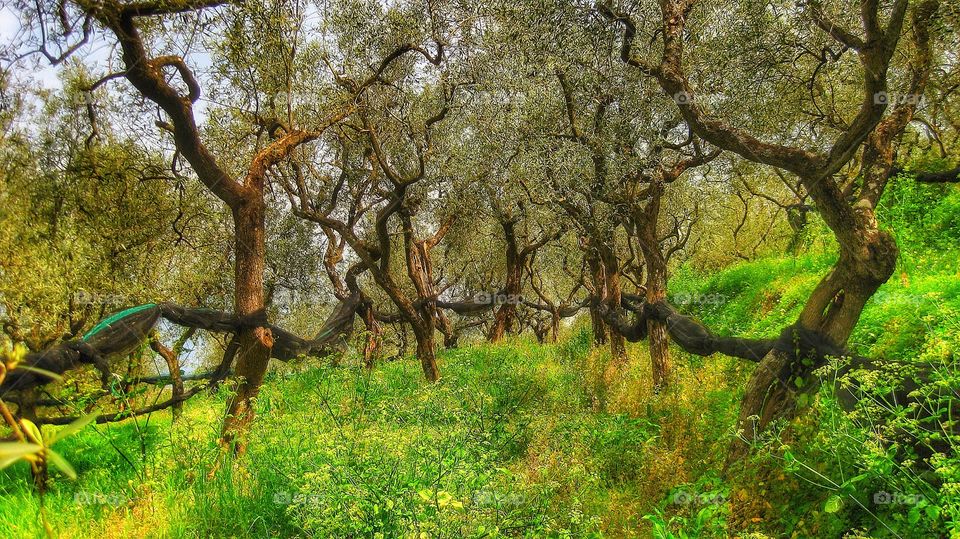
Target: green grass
(508,443)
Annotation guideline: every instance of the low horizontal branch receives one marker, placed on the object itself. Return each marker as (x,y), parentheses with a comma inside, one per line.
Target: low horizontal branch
(695,338)
(124,335)
(120,416)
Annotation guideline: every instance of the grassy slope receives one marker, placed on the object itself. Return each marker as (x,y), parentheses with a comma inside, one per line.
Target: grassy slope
(914,317)
(914,314)
(513,439)
(517,439)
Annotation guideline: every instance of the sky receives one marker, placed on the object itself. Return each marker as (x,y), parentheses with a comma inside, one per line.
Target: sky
(98,55)
(10,29)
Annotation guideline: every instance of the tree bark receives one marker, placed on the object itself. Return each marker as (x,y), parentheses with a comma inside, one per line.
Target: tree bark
(612,296)
(506,312)
(659,339)
(644,226)
(504,318)
(867,259)
(420,272)
(516,260)
(255,339)
(554,325)
(374,331)
(450,335)
(599,283)
(173,367)
(426,351)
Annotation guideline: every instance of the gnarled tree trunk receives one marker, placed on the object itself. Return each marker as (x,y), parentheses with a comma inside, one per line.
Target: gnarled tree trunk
(420,271)
(598,284)
(612,295)
(554,325)
(426,349)
(374,331)
(507,311)
(173,367)
(255,339)
(867,259)
(658,338)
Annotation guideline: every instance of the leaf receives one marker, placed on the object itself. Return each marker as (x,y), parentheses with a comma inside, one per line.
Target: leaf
(834,503)
(31,430)
(914,515)
(71,429)
(11,452)
(857,478)
(56,377)
(61,463)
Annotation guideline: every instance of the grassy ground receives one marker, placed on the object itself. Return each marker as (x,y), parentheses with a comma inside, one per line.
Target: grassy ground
(522,439)
(517,439)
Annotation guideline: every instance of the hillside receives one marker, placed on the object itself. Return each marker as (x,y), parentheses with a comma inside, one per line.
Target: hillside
(524,439)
